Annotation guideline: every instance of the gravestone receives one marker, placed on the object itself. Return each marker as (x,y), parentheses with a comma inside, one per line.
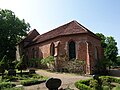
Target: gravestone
(53,83)
(11,72)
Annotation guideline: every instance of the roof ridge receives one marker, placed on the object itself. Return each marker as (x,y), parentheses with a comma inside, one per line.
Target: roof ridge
(63,25)
(63,30)
(79,24)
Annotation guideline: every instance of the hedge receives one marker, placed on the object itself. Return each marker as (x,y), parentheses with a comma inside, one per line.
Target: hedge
(83,85)
(93,84)
(6,85)
(31,82)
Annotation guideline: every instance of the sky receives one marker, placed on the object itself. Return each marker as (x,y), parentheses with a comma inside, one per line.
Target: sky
(99,16)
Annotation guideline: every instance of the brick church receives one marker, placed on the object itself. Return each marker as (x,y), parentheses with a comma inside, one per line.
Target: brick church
(71,39)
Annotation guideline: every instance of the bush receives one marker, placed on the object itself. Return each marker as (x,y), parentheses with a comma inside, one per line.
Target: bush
(106,80)
(30,82)
(102,83)
(86,82)
(6,85)
(10,78)
(106,88)
(83,85)
(34,62)
(95,85)
(73,66)
(116,80)
(48,60)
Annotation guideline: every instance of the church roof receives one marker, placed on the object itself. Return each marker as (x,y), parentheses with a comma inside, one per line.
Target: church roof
(70,28)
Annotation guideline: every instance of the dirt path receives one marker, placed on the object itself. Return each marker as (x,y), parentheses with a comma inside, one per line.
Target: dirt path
(67,80)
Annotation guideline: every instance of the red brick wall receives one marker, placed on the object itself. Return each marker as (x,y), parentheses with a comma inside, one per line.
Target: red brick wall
(81,41)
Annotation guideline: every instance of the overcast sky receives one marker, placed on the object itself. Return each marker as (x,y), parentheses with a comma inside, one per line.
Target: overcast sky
(102,16)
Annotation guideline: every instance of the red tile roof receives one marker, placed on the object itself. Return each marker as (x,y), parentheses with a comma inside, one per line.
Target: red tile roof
(72,27)
(30,36)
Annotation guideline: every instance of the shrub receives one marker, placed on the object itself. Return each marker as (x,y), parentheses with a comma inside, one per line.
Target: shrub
(21,65)
(36,76)
(6,85)
(106,81)
(83,85)
(48,60)
(30,82)
(86,82)
(95,85)
(34,62)
(74,66)
(116,80)
(106,88)
(102,83)
(10,78)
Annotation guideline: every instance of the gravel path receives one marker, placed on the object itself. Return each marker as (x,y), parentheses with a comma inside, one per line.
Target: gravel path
(67,80)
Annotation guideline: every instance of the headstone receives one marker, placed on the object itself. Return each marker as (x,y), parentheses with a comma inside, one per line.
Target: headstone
(11,72)
(53,83)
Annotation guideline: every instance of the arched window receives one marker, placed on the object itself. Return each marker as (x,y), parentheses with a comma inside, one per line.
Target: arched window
(96,53)
(72,50)
(52,49)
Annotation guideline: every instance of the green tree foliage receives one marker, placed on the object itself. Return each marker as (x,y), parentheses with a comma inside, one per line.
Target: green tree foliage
(110,49)
(12,30)
(103,38)
(118,61)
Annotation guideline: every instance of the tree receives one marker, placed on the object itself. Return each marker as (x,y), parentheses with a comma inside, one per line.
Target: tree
(110,49)
(118,61)
(103,38)
(12,30)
